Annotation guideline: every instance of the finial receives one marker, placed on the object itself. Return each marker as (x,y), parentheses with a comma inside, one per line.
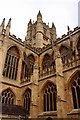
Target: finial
(3,22)
(68,28)
(53,26)
(39,13)
(30,21)
(9,23)
(8,27)
(2,25)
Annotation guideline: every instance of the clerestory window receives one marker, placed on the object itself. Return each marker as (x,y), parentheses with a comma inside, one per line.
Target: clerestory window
(46,62)
(31,60)
(64,54)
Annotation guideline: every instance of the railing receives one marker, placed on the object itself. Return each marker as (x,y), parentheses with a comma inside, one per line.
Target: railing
(72,63)
(69,65)
(45,73)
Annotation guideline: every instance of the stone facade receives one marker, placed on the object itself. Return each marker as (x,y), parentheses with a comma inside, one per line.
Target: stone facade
(40,74)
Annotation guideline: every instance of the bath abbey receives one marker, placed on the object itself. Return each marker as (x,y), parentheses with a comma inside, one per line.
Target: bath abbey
(39,76)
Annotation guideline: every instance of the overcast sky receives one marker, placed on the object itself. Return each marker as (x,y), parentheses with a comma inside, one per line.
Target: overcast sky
(61,12)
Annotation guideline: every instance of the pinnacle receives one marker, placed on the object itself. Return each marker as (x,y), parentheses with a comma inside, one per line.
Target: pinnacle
(39,13)
(3,22)
(30,21)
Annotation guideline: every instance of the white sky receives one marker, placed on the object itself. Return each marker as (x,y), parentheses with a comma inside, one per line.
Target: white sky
(61,12)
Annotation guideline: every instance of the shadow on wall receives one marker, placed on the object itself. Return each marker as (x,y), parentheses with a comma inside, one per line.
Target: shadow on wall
(49,118)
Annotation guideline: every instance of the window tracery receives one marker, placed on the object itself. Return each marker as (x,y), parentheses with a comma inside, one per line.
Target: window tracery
(76,92)
(27,67)
(50,98)
(31,62)
(64,54)
(48,63)
(27,99)
(7,97)
(11,63)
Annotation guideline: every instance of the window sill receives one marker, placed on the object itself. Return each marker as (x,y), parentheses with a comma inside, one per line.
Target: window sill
(74,111)
(48,113)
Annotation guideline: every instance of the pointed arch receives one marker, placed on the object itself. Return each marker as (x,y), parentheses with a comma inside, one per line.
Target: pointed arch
(66,53)
(74,85)
(31,60)
(44,85)
(46,62)
(66,45)
(49,94)
(15,49)
(31,57)
(78,47)
(11,63)
(8,96)
(27,99)
(72,76)
(27,89)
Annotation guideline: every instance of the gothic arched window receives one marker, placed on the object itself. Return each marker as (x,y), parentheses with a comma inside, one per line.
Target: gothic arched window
(27,99)
(64,54)
(50,98)
(76,92)
(7,97)
(52,61)
(11,63)
(46,62)
(78,47)
(31,60)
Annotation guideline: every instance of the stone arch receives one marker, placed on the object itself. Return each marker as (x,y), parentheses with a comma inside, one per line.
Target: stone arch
(72,76)
(26,90)
(48,94)
(66,53)
(11,63)
(73,91)
(31,60)
(46,61)
(27,99)
(31,57)
(8,96)
(47,55)
(64,45)
(16,47)
(44,85)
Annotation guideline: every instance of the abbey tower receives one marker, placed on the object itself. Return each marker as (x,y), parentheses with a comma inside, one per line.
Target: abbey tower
(40,76)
